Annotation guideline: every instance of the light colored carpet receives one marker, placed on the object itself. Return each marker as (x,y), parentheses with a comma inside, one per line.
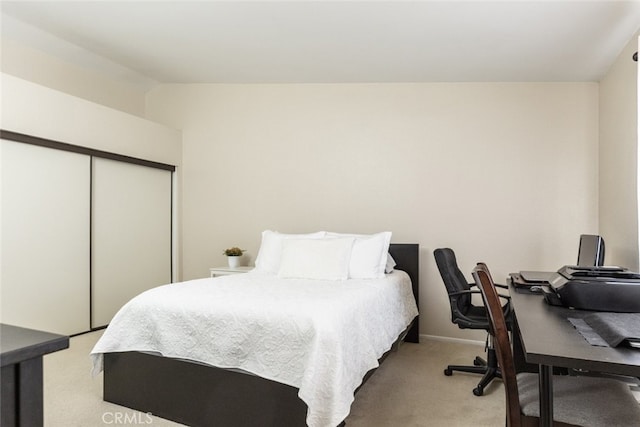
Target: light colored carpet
(409,389)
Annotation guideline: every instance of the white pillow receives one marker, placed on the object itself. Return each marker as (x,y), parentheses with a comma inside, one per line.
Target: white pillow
(321,259)
(268,258)
(391,263)
(369,254)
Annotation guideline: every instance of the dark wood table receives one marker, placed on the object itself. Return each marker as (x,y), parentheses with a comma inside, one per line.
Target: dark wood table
(21,352)
(549,340)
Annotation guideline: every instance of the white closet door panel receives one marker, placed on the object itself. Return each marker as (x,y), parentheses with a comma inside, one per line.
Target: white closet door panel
(45,238)
(131,234)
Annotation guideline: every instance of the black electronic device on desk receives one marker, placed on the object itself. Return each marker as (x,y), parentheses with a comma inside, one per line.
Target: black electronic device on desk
(531,281)
(611,289)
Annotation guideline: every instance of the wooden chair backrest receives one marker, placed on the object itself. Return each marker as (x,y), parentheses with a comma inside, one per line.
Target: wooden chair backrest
(500,333)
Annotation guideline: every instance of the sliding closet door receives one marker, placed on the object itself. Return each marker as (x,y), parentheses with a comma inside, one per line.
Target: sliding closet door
(45,238)
(131,234)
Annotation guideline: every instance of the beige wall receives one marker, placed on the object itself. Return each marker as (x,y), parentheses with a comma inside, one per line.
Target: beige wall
(47,70)
(37,110)
(619,159)
(502,173)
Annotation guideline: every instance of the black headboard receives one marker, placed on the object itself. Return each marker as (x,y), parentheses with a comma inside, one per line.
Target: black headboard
(407,258)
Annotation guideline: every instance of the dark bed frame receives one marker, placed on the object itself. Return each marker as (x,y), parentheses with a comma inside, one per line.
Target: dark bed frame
(201,395)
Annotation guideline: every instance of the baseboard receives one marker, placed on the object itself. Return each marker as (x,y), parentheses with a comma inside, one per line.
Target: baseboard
(451,339)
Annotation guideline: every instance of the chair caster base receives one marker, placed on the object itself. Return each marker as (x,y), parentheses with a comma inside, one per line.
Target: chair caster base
(448,372)
(478,391)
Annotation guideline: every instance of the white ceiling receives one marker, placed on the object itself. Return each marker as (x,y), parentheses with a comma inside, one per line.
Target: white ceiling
(330,41)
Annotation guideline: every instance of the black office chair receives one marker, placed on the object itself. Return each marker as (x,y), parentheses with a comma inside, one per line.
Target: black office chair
(468,316)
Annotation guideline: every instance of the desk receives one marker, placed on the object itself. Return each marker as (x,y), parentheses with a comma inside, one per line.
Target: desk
(548,339)
(21,352)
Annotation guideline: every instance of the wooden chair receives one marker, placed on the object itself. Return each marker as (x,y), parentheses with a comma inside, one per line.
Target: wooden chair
(578,400)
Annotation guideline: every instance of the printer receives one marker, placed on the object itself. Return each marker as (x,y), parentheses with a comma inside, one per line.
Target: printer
(611,289)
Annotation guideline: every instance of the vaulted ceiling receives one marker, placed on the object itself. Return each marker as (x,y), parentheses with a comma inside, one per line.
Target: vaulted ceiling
(330,41)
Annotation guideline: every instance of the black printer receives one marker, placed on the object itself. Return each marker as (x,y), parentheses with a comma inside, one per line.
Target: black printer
(595,288)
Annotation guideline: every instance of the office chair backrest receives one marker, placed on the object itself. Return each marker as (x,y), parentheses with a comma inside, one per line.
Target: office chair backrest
(498,329)
(452,277)
(591,251)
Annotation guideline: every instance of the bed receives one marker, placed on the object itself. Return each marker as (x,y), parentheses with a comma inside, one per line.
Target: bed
(201,388)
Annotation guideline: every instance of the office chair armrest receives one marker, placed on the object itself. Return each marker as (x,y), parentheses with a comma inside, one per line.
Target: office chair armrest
(507,297)
(473,285)
(468,292)
(507,309)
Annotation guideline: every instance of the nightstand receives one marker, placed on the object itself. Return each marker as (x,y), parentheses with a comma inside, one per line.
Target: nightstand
(224,271)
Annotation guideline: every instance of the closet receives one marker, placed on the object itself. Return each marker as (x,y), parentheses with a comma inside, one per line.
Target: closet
(131,234)
(82,232)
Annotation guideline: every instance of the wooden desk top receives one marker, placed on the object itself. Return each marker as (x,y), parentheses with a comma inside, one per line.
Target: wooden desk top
(550,339)
(18,344)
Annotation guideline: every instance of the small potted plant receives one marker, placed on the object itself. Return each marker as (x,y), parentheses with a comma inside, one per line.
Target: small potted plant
(233,256)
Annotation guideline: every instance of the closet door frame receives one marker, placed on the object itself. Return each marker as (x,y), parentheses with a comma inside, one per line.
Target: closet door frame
(43,142)
(91,152)
(130,234)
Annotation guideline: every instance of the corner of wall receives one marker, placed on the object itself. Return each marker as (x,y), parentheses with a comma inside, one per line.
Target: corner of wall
(618,159)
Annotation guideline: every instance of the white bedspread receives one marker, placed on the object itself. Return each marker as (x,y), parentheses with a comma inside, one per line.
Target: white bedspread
(319,336)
